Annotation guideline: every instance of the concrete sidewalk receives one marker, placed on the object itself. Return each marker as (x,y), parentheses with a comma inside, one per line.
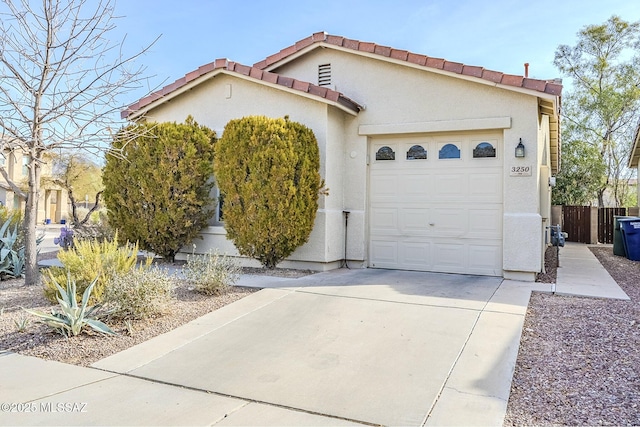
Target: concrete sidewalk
(580,273)
(347,347)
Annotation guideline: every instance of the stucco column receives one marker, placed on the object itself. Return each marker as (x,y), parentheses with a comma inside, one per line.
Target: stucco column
(43,206)
(523,226)
(62,208)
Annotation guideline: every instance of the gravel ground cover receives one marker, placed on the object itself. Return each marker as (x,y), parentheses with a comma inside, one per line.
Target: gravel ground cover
(579,358)
(578,364)
(38,340)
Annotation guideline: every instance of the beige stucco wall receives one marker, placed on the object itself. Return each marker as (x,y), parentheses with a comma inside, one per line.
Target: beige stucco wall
(398,100)
(224,98)
(49,192)
(395,94)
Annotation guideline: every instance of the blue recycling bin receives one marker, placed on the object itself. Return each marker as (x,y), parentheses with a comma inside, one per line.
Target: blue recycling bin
(618,243)
(631,237)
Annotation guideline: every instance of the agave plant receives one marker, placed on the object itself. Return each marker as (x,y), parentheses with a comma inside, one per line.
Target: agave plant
(21,324)
(72,318)
(12,258)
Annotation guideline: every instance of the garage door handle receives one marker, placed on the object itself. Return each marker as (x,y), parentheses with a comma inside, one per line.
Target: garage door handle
(432,223)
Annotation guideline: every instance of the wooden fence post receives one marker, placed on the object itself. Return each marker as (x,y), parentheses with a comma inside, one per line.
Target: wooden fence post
(593,229)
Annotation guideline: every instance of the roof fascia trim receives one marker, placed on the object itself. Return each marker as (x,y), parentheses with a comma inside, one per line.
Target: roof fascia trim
(371,55)
(341,104)
(634,157)
(344,105)
(136,114)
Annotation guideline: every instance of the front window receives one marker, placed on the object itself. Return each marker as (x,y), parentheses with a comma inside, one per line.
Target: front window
(449,151)
(217,218)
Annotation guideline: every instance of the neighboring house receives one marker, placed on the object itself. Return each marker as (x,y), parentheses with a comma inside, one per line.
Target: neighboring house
(629,198)
(52,204)
(420,151)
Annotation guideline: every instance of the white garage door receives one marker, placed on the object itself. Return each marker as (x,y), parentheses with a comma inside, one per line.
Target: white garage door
(436,203)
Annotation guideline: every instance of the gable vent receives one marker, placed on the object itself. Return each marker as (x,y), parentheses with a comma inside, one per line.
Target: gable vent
(324,75)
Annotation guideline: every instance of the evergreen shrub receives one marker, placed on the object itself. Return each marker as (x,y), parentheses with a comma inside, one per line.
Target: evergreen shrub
(268,171)
(158,189)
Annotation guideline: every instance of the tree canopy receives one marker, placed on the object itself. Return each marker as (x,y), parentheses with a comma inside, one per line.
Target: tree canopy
(601,110)
(82,178)
(62,77)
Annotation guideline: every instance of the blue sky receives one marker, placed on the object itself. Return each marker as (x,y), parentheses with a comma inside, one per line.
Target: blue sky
(500,35)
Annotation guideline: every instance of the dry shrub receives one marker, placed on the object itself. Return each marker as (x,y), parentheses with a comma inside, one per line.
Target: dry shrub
(139,294)
(212,273)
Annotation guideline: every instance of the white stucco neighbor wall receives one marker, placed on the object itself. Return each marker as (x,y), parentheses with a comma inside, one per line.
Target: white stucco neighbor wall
(544,183)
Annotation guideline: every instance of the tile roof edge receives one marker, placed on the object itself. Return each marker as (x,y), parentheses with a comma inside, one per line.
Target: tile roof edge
(224,65)
(550,86)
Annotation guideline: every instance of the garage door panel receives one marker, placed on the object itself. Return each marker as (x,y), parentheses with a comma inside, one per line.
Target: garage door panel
(484,258)
(416,187)
(485,187)
(485,223)
(385,220)
(386,186)
(435,214)
(384,253)
(450,222)
(415,221)
(450,187)
(415,255)
(449,257)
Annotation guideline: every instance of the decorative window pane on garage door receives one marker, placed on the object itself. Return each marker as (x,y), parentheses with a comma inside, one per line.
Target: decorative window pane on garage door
(417,152)
(484,149)
(385,153)
(449,151)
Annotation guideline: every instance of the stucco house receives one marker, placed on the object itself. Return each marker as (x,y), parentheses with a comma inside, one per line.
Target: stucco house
(432,165)
(52,205)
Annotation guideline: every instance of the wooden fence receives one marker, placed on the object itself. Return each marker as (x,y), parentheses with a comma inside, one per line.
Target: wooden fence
(581,223)
(605,223)
(577,223)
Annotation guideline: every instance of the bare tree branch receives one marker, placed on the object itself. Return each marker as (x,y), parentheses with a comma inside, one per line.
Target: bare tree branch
(11,184)
(63,82)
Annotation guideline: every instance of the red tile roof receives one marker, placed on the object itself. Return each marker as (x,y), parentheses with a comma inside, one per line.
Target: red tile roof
(231,67)
(546,86)
(258,72)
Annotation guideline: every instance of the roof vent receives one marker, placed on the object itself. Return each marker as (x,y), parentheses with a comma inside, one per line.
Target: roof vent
(324,75)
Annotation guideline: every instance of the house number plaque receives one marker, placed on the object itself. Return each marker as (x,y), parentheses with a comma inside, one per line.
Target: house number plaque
(520,171)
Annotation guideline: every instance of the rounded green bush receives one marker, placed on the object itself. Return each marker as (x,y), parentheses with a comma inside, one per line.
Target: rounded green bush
(157,190)
(268,171)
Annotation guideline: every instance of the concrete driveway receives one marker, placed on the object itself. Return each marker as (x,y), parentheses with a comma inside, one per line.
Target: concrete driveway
(362,346)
